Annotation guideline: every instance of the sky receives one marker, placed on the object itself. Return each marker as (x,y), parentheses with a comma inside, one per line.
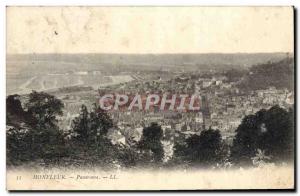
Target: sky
(143,30)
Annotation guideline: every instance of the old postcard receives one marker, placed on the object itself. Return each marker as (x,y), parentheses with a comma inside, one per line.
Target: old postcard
(150,98)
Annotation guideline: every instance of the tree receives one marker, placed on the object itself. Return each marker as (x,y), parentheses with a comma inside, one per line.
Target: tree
(44,108)
(205,149)
(246,140)
(80,124)
(278,138)
(271,131)
(13,105)
(100,122)
(91,142)
(91,126)
(33,133)
(151,142)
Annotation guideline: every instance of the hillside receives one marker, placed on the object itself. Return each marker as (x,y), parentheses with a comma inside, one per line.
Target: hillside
(66,62)
(278,74)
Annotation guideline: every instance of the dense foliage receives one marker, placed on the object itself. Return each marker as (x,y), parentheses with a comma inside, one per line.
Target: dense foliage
(33,135)
(276,74)
(204,150)
(151,141)
(270,131)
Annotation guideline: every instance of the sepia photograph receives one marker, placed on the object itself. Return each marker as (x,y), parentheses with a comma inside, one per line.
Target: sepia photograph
(149,98)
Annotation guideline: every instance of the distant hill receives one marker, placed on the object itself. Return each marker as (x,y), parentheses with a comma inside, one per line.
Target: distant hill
(66,62)
(278,74)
